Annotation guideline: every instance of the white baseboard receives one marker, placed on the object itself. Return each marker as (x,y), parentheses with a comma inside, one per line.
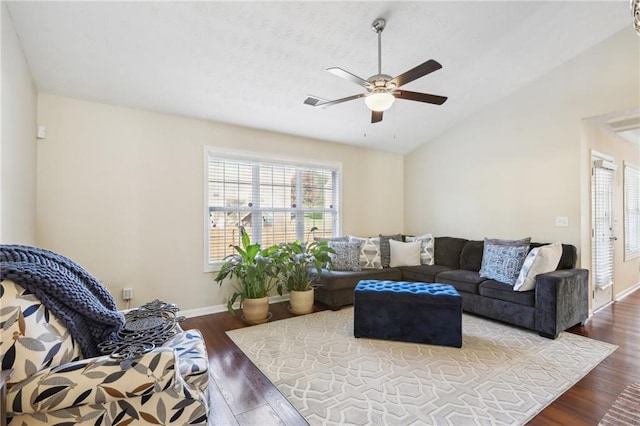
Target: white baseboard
(627,292)
(601,308)
(618,297)
(190,313)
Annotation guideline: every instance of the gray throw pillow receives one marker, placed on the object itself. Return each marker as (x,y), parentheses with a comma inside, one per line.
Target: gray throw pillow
(502,259)
(385,249)
(347,256)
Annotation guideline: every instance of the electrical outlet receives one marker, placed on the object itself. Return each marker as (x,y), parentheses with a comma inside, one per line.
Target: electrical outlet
(562,221)
(127,293)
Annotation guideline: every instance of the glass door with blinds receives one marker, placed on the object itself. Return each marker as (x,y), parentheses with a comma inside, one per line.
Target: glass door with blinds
(602,229)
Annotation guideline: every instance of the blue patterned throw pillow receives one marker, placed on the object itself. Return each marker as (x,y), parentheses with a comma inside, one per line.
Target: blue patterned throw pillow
(347,256)
(342,239)
(502,259)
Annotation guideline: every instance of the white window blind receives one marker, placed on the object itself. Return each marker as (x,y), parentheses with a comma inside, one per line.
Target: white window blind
(602,232)
(275,202)
(631,212)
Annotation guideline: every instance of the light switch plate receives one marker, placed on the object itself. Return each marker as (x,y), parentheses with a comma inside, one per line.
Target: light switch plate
(562,221)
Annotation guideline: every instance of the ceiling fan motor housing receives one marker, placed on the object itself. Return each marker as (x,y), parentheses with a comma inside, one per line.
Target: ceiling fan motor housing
(380,80)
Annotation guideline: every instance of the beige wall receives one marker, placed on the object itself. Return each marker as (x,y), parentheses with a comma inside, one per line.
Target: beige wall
(121,192)
(18,146)
(511,169)
(626,271)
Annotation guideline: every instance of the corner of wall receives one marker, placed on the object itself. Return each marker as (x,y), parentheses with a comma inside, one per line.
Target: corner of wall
(18,148)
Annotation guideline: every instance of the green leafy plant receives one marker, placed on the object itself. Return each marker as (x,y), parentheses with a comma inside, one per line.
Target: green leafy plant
(255,269)
(296,263)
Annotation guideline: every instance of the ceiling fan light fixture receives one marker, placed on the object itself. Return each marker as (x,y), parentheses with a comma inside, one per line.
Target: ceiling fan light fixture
(379,100)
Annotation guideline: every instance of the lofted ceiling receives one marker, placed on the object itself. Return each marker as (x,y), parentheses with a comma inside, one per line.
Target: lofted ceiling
(253,63)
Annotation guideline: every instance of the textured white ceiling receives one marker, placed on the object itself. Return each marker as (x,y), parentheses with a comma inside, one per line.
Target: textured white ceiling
(253,63)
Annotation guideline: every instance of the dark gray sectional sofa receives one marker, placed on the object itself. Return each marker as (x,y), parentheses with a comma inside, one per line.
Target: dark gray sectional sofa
(559,300)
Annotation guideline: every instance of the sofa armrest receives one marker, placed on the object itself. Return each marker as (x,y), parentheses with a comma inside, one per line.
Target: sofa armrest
(93,381)
(193,362)
(562,300)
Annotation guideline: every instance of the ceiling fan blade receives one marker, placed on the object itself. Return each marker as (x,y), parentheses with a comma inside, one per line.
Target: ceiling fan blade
(339,72)
(376,116)
(314,100)
(416,72)
(317,102)
(420,97)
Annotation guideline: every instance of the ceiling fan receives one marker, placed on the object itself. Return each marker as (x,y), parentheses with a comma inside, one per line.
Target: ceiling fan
(382,89)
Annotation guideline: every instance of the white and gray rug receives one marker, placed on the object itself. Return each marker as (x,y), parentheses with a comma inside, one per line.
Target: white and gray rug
(501,375)
(625,410)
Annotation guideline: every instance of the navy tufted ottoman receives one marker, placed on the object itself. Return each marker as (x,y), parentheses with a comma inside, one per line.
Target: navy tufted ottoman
(408,312)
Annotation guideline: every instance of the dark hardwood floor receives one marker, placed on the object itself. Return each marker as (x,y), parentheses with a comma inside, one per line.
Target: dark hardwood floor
(242,395)
(587,401)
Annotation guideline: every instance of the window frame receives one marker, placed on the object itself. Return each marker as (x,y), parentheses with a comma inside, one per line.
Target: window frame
(258,157)
(631,252)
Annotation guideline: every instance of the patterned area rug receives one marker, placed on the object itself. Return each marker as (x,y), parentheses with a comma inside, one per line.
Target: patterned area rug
(625,410)
(501,375)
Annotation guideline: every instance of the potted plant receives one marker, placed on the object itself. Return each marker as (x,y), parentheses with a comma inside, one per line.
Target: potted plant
(255,270)
(296,263)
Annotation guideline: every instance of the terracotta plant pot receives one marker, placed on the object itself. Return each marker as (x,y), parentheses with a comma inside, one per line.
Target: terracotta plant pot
(301,301)
(255,311)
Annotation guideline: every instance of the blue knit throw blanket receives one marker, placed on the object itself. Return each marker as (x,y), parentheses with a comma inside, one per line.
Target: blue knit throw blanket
(78,299)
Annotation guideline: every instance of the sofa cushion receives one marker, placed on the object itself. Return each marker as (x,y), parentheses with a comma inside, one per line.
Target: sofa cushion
(422,273)
(569,257)
(540,260)
(465,281)
(503,259)
(346,257)
(385,249)
(405,254)
(471,255)
(426,251)
(501,291)
(339,280)
(447,251)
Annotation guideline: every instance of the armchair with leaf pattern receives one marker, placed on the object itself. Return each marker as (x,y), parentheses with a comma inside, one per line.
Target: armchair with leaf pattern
(52,383)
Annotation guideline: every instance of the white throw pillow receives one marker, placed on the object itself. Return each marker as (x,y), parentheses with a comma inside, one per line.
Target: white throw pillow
(405,254)
(540,260)
(426,254)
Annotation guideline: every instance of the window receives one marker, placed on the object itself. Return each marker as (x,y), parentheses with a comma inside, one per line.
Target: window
(631,212)
(275,200)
